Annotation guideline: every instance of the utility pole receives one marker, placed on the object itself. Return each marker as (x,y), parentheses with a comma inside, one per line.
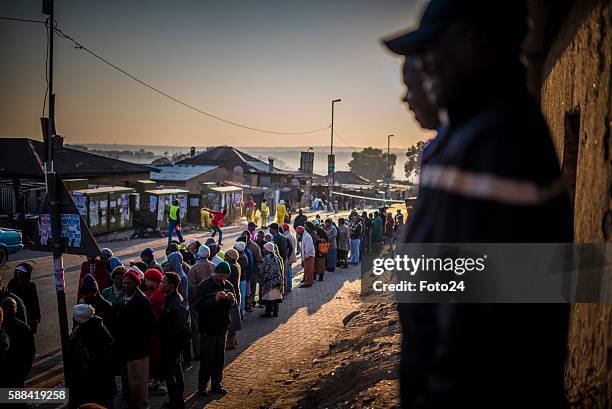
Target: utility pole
(54,205)
(389,163)
(331,162)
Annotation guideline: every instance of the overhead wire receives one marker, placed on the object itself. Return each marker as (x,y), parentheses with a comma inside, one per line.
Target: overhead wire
(80,46)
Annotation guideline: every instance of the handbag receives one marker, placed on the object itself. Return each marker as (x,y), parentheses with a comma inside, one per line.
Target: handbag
(323,247)
(273,294)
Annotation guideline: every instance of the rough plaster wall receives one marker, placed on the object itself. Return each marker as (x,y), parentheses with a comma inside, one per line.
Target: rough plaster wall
(578,75)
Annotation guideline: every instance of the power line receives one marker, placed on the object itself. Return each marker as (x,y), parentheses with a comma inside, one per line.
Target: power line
(353,147)
(26,20)
(174,99)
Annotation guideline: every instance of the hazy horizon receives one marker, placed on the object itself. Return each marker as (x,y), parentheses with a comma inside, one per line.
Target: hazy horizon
(273,65)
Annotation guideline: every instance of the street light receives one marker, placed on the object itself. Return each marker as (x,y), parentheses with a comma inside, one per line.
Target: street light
(331,163)
(389,161)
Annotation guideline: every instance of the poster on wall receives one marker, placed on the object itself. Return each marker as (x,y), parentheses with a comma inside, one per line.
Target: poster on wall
(71,229)
(183,205)
(161,208)
(152,203)
(94,215)
(79,201)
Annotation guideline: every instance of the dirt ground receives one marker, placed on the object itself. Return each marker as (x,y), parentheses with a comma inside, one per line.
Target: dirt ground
(359,368)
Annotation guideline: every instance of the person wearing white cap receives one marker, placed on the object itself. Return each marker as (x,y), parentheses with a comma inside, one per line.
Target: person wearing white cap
(201,270)
(90,377)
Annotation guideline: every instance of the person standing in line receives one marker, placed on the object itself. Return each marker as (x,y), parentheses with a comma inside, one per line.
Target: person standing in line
(281,246)
(174,332)
(308,254)
(270,278)
(114,294)
(91,377)
(22,286)
(321,249)
(136,323)
(343,243)
(90,294)
(231,257)
(98,268)
(214,301)
(22,313)
(22,349)
(217,222)
(377,234)
(245,262)
(174,221)
(148,257)
(292,257)
(355,240)
(201,270)
(252,279)
(332,252)
(157,298)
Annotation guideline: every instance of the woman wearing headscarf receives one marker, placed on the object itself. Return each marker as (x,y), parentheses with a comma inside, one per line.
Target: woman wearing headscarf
(270,278)
(176,260)
(281,212)
(231,256)
(246,262)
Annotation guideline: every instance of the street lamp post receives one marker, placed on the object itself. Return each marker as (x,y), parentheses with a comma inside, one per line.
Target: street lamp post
(389,162)
(331,163)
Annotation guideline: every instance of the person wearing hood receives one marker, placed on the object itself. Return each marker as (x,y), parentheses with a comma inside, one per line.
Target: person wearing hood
(22,313)
(114,262)
(90,294)
(270,278)
(90,377)
(148,257)
(231,257)
(251,230)
(176,260)
(136,324)
(264,209)
(22,286)
(201,270)
(281,212)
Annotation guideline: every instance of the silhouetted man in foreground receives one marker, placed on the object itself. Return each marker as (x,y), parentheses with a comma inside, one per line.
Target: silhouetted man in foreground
(492,176)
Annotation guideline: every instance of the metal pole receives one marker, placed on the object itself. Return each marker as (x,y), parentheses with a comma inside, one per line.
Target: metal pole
(388,163)
(331,152)
(54,208)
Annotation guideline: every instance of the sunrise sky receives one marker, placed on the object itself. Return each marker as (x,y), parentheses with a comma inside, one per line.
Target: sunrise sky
(268,64)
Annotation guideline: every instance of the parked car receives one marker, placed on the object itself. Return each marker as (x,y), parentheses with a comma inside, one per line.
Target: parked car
(10,243)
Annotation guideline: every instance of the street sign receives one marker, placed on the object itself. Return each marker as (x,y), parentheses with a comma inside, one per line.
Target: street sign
(331,164)
(75,234)
(306,162)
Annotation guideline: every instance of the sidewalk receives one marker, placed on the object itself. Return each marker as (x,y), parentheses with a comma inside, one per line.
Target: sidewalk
(308,317)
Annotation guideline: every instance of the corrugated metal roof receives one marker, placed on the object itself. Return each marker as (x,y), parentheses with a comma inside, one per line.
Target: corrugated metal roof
(225,189)
(104,189)
(180,173)
(166,191)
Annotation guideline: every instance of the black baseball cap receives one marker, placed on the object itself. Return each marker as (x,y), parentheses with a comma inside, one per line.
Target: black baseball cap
(506,20)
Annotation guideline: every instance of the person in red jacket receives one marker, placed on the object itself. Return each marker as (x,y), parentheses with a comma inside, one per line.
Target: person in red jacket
(153,278)
(98,269)
(217,221)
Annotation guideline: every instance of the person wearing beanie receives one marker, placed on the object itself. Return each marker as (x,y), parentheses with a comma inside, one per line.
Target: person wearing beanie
(136,324)
(22,286)
(98,268)
(214,301)
(201,270)
(231,257)
(90,294)
(114,262)
(153,278)
(270,279)
(114,294)
(90,377)
(148,257)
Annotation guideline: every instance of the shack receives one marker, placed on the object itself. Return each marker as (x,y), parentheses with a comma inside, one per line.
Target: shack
(105,209)
(154,205)
(224,197)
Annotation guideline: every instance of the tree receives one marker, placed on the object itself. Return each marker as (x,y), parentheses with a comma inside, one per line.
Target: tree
(371,163)
(413,164)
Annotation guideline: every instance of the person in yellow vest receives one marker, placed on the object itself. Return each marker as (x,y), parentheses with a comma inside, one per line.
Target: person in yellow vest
(174,221)
(281,212)
(249,209)
(205,219)
(265,213)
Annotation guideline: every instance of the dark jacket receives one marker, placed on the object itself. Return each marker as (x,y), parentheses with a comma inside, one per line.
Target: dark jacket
(29,296)
(90,376)
(300,219)
(173,326)
(136,324)
(281,243)
(5,343)
(20,354)
(214,317)
(468,354)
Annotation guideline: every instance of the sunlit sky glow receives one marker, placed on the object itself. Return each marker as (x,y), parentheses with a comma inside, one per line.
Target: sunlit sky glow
(267,64)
